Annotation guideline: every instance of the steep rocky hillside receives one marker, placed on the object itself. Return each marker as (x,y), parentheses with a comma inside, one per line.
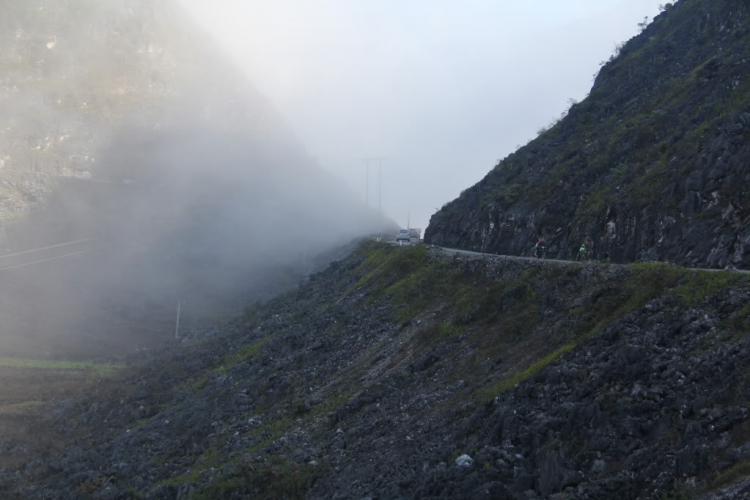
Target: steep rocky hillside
(411,373)
(652,165)
(74,73)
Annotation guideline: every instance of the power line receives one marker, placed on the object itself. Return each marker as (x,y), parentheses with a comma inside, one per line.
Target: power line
(50,174)
(44,260)
(34,250)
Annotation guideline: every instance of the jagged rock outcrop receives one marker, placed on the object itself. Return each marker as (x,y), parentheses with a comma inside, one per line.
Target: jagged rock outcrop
(652,165)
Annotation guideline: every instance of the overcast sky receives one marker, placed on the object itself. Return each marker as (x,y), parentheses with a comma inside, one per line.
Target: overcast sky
(440,89)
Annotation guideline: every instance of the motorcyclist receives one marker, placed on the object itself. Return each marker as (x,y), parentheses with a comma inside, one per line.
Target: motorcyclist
(539,248)
(582,252)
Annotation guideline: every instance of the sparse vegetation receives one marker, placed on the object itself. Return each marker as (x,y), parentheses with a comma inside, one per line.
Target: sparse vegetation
(643,24)
(700,285)
(504,385)
(564,377)
(629,146)
(44,364)
(664,6)
(18,408)
(738,321)
(737,471)
(244,353)
(480,326)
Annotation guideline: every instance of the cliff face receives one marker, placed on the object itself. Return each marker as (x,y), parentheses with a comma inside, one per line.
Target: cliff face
(652,165)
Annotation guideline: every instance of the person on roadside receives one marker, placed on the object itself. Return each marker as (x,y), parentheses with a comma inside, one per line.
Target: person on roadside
(539,248)
(582,252)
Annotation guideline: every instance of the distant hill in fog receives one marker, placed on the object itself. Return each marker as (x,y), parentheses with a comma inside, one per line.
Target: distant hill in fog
(73,73)
(121,120)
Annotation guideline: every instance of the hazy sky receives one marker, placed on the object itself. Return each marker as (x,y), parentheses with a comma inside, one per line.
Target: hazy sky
(440,89)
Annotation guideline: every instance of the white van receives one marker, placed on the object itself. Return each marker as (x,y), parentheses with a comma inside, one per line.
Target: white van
(403,237)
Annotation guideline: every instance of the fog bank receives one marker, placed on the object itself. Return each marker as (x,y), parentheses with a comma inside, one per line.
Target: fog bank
(131,130)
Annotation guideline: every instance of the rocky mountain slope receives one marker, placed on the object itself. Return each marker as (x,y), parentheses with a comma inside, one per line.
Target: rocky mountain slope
(652,165)
(408,373)
(75,73)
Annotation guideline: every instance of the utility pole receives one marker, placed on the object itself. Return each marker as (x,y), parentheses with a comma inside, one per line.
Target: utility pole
(380,181)
(380,184)
(367,184)
(177,324)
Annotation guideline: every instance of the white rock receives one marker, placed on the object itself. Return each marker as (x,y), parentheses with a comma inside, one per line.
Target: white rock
(464,461)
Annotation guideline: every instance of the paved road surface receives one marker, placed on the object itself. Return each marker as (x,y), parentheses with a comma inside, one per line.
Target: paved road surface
(518,257)
(39,256)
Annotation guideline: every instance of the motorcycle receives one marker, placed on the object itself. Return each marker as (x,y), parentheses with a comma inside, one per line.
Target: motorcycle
(539,251)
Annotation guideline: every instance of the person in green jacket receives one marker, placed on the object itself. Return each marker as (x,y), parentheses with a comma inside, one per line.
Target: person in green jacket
(582,255)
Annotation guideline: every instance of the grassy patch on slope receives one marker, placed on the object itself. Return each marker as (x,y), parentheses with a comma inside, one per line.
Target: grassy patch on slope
(643,283)
(45,364)
(19,408)
(737,471)
(504,385)
(244,353)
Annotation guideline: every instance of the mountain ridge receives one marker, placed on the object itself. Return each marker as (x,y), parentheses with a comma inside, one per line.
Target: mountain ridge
(650,166)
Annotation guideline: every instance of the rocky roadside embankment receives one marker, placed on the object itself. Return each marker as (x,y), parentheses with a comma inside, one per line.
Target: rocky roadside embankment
(405,373)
